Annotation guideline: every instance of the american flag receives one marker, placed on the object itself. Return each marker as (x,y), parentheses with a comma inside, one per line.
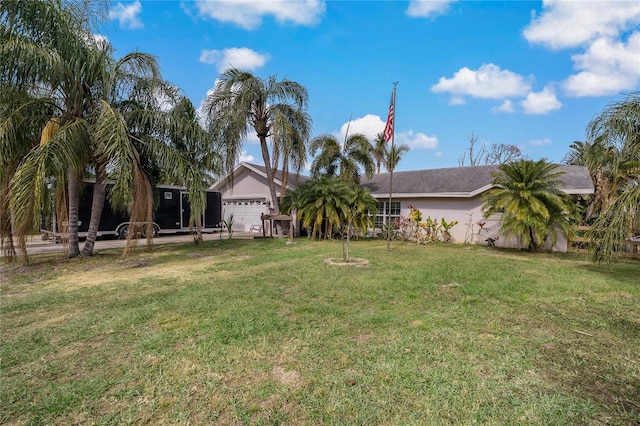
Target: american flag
(388,130)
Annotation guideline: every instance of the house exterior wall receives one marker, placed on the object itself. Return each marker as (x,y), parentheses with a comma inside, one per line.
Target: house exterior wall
(247,184)
(467,211)
(472,227)
(243,198)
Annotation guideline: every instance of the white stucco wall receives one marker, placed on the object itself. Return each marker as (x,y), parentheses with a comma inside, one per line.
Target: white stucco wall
(248,185)
(468,213)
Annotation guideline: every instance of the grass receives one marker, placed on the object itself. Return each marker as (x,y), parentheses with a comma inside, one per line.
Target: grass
(260,332)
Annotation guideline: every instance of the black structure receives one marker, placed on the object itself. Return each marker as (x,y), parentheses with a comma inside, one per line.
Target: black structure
(171,215)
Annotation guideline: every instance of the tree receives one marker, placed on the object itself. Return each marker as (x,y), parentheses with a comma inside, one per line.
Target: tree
(597,158)
(46,45)
(496,154)
(361,206)
(531,205)
(101,119)
(199,159)
(617,128)
(17,139)
(321,204)
(475,158)
(502,153)
(241,101)
(379,151)
(387,157)
(394,155)
(289,148)
(344,162)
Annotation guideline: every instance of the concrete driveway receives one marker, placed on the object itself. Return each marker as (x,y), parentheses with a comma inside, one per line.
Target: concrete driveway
(36,245)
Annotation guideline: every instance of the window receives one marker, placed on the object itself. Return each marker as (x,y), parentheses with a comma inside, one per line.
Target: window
(384,213)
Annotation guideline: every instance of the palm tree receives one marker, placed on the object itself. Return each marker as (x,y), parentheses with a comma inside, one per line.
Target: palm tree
(346,161)
(46,52)
(194,146)
(395,155)
(617,128)
(241,102)
(322,204)
(361,208)
(289,149)
(531,205)
(379,151)
(17,138)
(101,119)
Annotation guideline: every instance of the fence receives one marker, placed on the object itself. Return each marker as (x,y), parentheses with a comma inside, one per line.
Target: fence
(579,243)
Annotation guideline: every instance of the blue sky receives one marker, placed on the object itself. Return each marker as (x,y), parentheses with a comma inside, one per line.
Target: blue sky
(531,74)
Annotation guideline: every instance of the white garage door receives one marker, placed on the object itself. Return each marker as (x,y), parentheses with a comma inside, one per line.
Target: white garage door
(245,212)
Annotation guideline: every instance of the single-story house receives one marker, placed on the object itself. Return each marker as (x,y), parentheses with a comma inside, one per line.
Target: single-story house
(455,194)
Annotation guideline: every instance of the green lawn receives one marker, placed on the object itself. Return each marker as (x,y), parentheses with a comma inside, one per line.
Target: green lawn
(261,332)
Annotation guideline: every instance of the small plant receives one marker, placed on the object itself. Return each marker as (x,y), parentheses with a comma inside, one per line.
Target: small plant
(413,228)
(445,226)
(228,223)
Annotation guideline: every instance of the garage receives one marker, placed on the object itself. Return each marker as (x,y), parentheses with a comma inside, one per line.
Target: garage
(246,212)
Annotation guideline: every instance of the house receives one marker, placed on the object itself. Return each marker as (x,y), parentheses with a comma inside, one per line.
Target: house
(245,194)
(455,194)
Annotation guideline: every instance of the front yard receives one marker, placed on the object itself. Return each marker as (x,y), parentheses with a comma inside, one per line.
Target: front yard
(261,332)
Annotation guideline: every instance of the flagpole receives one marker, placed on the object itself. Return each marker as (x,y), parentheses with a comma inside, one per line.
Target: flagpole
(392,166)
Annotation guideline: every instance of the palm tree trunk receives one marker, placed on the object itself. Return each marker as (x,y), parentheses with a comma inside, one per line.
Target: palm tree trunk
(267,165)
(97,205)
(272,185)
(74,202)
(533,245)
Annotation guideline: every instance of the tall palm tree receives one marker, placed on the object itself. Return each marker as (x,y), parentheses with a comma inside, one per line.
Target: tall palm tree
(289,149)
(394,155)
(379,151)
(241,102)
(46,51)
(194,145)
(17,138)
(531,205)
(346,162)
(101,118)
(617,128)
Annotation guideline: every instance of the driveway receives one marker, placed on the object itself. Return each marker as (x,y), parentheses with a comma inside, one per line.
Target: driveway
(36,245)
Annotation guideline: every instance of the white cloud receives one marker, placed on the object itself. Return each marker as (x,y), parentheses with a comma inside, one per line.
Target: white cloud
(249,13)
(541,102)
(428,9)
(127,15)
(606,68)
(245,157)
(565,24)
(457,100)
(488,82)
(540,142)
(506,106)
(439,154)
(238,57)
(369,125)
(416,140)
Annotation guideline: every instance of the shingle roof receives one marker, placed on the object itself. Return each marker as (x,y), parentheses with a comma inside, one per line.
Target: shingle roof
(462,181)
(448,182)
